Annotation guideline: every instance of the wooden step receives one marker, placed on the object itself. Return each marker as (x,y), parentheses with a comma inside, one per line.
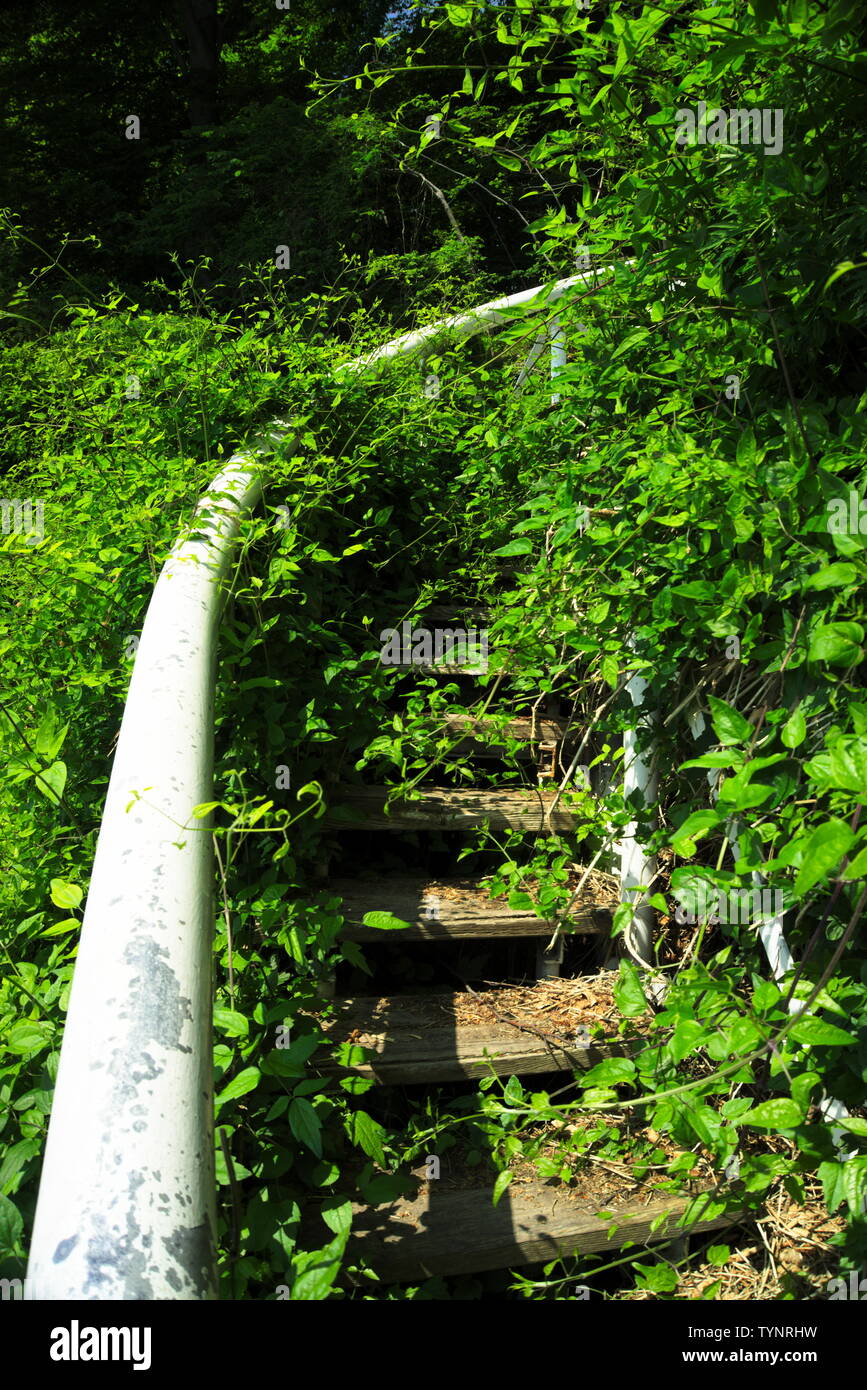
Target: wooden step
(444,909)
(440,668)
(543,729)
(459,1231)
(418,1038)
(480,736)
(454,614)
(442,808)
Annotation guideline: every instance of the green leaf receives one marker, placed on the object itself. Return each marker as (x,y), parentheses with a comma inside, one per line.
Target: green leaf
(65,894)
(693,828)
(773,1114)
(614,1071)
(803,1087)
(844,1182)
(842,268)
(738,793)
(833,576)
(853,1124)
(831,1176)
(519,547)
(289,1061)
(743,1036)
(324,1174)
(628,993)
(857,867)
(16,1158)
(720,759)
(11,1225)
(232,1023)
(384,1188)
(711,280)
(599,1095)
(337,1215)
(514,1092)
(848,763)
(822,853)
(746,450)
(246,1081)
(632,339)
(62,928)
(823,999)
(503,1180)
(25,1038)
(50,736)
(306,1125)
(368,1135)
(52,781)
(609,669)
(658,1278)
(855,1183)
(621,60)
(794,731)
(815,1032)
(687,1035)
(836,643)
(520,902)
(384,921)
(765,996)
(729,726)
(705,1122)
(316,1270)
(221,1169)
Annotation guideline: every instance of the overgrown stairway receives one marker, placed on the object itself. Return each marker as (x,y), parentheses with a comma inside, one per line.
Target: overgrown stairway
(428,1037)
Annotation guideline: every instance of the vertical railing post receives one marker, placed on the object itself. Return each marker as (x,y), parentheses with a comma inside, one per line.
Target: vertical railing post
(557,339)
(637,867)
(781,961)
(550,959)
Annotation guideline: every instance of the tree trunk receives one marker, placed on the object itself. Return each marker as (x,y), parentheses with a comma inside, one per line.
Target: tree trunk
(203,29)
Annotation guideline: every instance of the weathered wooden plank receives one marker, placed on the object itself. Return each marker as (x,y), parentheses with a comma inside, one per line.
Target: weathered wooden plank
(484,740)
(413,1039)
(441,668)
(460,1231)
(443,808)
(442,909)
(544,729)
(450,614)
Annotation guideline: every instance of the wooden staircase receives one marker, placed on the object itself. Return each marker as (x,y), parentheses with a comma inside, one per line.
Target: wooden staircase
(438,1037)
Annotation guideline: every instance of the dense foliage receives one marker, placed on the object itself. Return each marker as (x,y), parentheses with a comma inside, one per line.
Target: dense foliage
(690,509)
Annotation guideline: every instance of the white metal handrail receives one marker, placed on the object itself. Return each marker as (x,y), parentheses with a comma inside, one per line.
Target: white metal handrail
(126,1206)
